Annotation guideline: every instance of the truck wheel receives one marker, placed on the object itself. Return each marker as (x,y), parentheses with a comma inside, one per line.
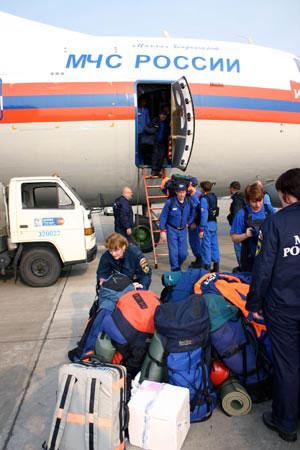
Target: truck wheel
(39,267)
(141,234)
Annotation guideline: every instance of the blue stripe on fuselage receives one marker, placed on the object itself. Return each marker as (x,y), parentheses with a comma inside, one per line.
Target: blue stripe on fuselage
(212,101)
(108,100)
(67,101)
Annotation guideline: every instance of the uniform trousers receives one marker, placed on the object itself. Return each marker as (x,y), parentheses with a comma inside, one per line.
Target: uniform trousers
(284,331)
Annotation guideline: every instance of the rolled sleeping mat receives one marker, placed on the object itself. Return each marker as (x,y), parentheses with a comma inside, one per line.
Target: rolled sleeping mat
(152,368)
(104,350)
(235,400)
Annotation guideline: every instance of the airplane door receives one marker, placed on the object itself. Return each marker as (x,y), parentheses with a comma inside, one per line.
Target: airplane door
(1,101)
(182,123)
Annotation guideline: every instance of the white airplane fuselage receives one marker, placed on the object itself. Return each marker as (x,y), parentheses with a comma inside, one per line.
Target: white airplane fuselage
(69,106)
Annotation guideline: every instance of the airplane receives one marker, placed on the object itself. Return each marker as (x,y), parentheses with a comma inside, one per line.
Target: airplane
(68,105)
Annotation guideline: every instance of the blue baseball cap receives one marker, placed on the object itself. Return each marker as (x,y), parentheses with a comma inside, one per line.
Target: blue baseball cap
(180,187)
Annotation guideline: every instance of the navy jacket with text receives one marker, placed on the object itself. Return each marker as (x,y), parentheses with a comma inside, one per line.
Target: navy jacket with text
(276,271)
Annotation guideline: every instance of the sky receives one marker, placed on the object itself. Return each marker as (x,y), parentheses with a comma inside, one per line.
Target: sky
(272,23)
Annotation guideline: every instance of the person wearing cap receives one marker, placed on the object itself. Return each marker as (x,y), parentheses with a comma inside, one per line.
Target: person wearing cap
(176,216)
(209,212)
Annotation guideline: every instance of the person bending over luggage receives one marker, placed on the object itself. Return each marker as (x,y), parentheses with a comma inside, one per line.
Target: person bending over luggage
(246,224)
(124,258)
(176,216)
(275,295)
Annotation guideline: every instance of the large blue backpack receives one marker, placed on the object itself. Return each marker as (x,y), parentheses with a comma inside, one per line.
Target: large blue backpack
(184,330)
(237,346)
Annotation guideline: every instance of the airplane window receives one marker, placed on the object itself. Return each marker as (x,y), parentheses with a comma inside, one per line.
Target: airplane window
(297,61)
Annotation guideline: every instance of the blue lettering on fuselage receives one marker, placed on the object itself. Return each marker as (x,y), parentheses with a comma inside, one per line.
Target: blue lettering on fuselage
(160,61)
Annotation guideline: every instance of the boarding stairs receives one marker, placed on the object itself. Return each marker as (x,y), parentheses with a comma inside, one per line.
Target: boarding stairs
(155,201)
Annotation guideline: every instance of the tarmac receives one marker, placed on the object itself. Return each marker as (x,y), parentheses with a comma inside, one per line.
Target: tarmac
(39,326)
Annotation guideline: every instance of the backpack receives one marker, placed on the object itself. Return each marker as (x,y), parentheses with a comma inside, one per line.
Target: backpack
(233,288)
(213,209)
(107,296)
(183,328)
(168,185)
(236,345)
(241,342)
(131,327)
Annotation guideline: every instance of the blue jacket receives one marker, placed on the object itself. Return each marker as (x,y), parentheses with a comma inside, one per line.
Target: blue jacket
(177,215)
(143,118)
(276,271)
(123,214)
(133,264)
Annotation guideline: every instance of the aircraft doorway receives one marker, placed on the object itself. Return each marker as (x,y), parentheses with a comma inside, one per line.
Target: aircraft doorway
(165,125)
(152,100)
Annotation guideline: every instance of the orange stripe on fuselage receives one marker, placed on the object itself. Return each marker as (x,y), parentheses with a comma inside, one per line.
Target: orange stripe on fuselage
(67,88)
(68,114)
(244,115)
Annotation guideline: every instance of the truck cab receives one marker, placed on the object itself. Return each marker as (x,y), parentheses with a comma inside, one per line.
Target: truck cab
(47,226)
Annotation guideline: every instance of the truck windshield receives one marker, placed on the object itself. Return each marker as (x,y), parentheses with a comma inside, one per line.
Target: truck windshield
(76,195)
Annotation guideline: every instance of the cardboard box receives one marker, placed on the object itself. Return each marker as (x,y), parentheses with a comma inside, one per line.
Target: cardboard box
(159,416)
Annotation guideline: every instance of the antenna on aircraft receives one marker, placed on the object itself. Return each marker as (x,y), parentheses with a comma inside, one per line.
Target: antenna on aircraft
(166,34)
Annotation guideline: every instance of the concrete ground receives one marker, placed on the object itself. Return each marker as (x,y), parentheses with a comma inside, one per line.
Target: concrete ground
(39,326)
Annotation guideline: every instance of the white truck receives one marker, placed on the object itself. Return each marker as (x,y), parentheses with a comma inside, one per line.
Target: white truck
(44,226)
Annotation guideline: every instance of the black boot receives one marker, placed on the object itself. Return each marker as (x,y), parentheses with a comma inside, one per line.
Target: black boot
(216,267)
(197,264)
(206,266)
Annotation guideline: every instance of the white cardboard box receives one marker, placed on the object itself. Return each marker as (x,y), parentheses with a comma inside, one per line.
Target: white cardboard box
(159,416)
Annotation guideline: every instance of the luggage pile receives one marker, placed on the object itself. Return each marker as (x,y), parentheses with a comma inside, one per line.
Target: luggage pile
(195,346)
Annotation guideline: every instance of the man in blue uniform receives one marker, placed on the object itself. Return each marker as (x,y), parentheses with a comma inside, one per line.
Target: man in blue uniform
(208,230)
(176,216)
(194,228)
(237,203)
(123,213)
(275,295)
(160,143)
(126,259)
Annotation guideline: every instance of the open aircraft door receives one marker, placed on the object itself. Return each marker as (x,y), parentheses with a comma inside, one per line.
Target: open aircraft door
(182,123)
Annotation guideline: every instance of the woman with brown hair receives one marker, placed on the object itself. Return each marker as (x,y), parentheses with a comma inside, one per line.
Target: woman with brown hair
(126,259)
(246,224)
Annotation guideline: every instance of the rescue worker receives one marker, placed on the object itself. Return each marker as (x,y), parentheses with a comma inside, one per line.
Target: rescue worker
(208,230)
(176,216)
(267,198)
(237,203)
(123,213)
(126,259)
(247,222)
(194,228)
(275,296)
(160,144)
